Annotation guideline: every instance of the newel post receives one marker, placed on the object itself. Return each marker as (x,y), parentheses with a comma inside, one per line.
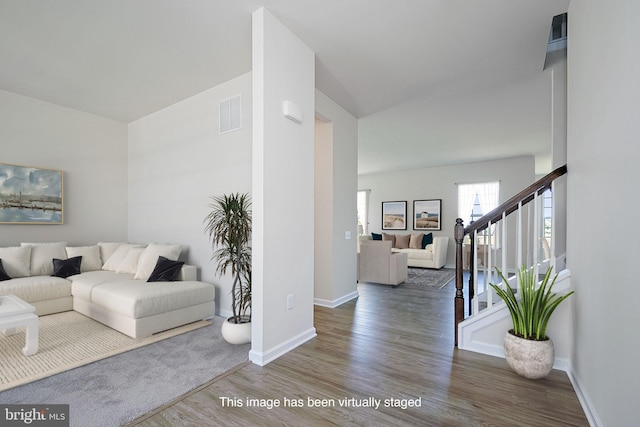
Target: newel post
(458,302)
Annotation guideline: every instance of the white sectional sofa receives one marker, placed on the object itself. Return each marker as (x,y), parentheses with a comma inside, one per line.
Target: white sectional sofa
(136,289)
(424,252)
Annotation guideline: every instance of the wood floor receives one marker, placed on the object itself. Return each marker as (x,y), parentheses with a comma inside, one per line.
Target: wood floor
(393,345)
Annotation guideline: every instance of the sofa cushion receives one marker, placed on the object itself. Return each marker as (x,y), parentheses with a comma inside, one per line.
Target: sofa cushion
(376,236)
(36,288)
(83,284)
(137,298)
(3,274)
(130,262)
(118,257)
(91,259)
(424,254)
(402,241)
(389,238)
(66,267)
(149,258)
(107,249)
(427,240)
(16,260)
(42,255)
(416,241)
(166,270)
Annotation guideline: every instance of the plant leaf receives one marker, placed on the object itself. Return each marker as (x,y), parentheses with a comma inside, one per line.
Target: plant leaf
(532,308)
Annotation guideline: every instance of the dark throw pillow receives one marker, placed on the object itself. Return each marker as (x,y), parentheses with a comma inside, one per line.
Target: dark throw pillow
(3,274)
(376,236)
(66,267)
(166,270)
(427,240)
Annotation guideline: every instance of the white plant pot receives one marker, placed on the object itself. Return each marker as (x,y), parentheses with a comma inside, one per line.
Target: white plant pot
(529,358)
(236,333)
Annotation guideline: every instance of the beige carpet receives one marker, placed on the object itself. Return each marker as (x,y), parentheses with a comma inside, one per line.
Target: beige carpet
(68,340)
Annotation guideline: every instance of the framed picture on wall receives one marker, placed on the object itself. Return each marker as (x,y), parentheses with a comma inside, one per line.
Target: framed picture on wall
(30,195)
(394,215)
(426,214)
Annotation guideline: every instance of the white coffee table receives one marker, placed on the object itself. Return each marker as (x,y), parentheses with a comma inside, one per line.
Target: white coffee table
(13,313)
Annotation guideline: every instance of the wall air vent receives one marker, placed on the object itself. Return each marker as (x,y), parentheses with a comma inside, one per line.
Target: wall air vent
(231,114)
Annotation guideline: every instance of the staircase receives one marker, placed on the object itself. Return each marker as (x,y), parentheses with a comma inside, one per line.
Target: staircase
(515,234)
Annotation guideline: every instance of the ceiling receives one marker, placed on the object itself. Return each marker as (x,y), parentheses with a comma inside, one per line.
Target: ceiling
(433,82)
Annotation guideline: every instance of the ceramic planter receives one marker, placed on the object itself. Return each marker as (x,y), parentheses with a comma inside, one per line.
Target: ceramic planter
(529,358)
(236,333)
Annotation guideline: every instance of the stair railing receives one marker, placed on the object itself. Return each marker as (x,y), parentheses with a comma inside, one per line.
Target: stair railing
(497,249)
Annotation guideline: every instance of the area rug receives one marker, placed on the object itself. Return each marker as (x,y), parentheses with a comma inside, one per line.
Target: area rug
(436,279)
(114,391)
(68,340)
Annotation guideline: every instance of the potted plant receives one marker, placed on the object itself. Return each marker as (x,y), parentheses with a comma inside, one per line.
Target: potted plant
(229,228)
(528,349)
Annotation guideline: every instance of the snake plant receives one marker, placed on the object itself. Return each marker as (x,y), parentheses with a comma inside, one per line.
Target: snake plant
(531,309)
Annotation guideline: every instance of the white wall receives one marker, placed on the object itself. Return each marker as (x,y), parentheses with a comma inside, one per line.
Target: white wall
(177,162)
(335,203)
(557,66)
(602,183)
(323,227)
(283,190)
(440,183)
(92,153)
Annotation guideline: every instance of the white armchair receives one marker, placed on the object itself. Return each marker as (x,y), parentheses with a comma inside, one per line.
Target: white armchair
(377,264)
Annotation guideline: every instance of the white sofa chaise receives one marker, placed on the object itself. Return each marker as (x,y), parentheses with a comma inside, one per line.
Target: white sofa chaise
(115,292)
(431,255)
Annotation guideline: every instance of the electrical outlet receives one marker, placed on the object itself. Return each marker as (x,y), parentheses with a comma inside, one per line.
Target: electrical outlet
(289,302)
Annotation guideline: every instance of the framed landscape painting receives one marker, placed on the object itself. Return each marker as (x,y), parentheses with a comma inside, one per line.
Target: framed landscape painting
(30,195)
(426,214)
(394,215)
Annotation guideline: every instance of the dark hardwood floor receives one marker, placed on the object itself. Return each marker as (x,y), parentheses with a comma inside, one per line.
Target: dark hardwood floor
(393,345)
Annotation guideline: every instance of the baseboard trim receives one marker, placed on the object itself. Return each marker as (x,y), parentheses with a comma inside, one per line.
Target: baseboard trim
(561,363)
(337,302)
(583,398)
(225,313)
(485,348)
(261,358)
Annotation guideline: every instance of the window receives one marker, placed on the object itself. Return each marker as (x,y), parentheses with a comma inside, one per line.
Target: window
(558,27)
(547,212)
(558,33)
(476,200)
(363,212)
(476,212)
